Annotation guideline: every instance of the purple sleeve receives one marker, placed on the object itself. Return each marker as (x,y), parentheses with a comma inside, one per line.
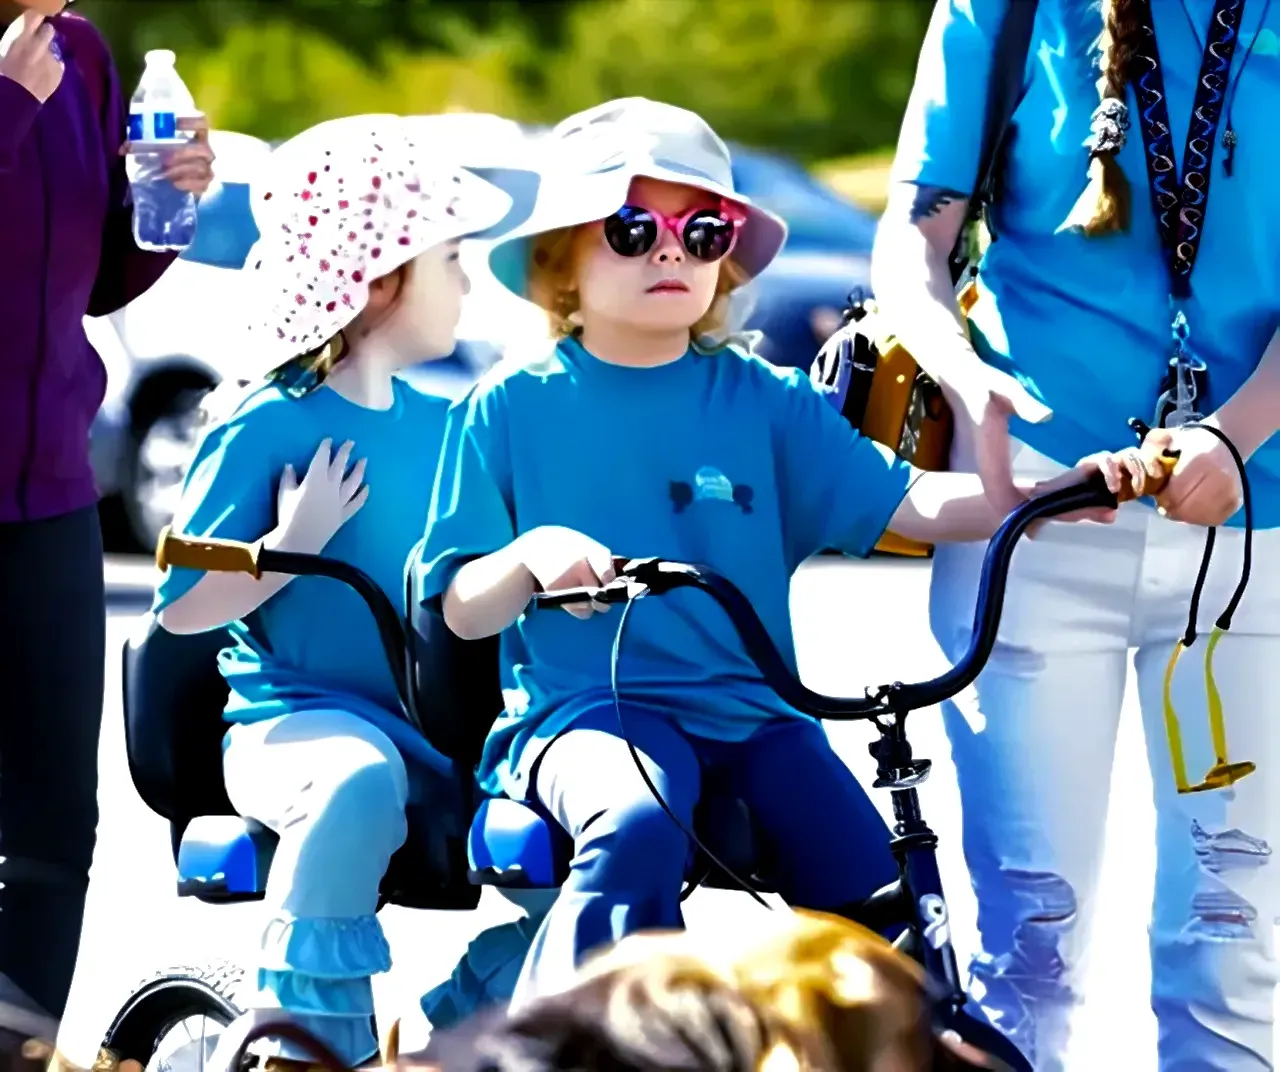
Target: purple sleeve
(125,272)
(18,110)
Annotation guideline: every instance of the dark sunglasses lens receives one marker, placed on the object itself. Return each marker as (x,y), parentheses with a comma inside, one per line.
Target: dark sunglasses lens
(708,236)
(631,232)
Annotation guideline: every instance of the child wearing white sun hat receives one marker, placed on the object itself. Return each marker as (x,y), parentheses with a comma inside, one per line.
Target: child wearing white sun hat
(357,270)
(641,435)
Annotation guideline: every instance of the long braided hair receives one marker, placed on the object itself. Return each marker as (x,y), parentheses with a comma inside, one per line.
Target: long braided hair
(1104,206)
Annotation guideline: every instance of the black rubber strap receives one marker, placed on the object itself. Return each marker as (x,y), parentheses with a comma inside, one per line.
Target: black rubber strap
(1224,620)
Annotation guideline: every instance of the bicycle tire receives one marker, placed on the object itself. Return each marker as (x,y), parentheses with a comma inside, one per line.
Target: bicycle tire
(165,1000)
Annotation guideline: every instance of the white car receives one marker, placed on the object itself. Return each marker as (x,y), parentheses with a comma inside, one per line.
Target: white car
(163,352)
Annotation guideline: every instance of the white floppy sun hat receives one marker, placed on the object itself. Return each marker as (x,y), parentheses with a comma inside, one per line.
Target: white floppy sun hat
(588,163)
(351,200)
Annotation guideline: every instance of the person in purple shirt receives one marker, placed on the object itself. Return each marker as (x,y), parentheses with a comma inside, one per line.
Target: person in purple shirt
(68,252)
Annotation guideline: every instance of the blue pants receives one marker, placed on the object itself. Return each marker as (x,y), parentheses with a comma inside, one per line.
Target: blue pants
(824,842)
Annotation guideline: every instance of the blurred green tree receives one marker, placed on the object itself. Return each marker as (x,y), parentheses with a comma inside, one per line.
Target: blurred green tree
(814,78)
(364,27)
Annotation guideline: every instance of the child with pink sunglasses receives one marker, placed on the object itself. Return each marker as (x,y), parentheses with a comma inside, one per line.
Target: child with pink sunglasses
(646,433)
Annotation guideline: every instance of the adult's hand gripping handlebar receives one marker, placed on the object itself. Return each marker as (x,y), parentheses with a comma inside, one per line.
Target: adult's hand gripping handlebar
(638,578)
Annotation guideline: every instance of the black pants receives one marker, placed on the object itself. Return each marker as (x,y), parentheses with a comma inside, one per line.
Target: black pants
(52,600)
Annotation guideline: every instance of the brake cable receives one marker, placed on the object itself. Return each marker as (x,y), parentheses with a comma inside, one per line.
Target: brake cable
(615,658)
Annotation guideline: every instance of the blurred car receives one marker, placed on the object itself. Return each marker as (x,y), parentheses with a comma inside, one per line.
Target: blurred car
(165,351)
(800,296)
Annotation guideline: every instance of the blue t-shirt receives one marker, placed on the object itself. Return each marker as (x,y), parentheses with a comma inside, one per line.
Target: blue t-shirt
(719,459)
(314,645)
(1084,323)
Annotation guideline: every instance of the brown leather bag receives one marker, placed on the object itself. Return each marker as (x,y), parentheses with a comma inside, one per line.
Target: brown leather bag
(880,389)
(865,371)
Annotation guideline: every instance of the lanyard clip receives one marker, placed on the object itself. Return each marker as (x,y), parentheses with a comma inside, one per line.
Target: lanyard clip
(1184,386)
(1185,378)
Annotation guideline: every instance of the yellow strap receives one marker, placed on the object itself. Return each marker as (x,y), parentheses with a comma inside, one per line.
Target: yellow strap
(1171,726)
(1217,722)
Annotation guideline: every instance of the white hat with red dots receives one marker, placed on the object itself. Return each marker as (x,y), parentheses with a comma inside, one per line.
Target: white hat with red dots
(353,199)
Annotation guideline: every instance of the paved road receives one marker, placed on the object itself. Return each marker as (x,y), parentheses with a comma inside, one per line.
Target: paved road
(135,924)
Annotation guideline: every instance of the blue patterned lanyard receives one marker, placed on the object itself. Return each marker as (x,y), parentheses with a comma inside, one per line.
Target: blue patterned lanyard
(1180,204)
(1229,137)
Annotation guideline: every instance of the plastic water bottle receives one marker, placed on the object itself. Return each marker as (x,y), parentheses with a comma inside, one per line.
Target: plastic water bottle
(164,217)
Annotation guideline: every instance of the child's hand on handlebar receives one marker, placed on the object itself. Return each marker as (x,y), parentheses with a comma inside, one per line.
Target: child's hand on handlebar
(309,513)
(559,558)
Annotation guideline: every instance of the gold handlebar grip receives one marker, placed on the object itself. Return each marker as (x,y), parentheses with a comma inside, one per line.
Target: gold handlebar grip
(1150,485)
(213,556)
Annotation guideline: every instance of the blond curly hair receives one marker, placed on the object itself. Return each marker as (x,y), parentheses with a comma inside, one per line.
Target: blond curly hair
(553,285)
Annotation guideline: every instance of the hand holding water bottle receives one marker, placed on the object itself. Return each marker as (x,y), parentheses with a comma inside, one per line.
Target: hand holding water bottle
(189,167)
(28,55)
(170,162)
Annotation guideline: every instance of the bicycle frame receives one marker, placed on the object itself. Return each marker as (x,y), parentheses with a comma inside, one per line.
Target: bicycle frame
(916,900)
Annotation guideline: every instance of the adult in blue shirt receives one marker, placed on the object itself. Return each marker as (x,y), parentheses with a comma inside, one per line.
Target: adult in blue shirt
(644,433)
(1074,330)
(360,219)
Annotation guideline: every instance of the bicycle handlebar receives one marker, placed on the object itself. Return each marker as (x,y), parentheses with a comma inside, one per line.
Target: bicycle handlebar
(234,556)
(641,577)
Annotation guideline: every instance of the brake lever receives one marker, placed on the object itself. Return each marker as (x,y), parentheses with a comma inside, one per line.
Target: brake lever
(623,590)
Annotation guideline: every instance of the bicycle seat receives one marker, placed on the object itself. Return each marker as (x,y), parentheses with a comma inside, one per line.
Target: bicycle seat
(173,699)
(223,859)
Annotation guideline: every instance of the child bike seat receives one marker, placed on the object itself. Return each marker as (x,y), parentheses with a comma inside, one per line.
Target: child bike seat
(173,699)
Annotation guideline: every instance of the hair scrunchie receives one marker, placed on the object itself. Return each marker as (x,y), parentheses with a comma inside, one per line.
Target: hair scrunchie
(1109,126)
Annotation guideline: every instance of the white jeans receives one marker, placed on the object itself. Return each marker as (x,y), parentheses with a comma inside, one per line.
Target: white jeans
(1033,743)
(334,788)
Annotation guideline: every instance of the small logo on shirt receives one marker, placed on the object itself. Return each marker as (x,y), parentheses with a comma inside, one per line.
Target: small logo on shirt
(709,484)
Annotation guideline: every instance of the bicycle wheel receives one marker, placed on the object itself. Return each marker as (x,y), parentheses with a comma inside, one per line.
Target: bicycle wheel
(174,999)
